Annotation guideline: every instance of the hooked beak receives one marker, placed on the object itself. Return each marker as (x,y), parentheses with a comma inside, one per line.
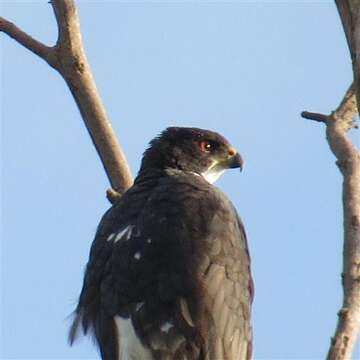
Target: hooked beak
(236,162)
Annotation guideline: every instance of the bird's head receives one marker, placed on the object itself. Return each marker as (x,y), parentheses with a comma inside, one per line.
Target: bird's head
(203,152)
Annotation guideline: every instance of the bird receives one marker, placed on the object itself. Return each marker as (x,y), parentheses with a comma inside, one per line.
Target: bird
(168,275)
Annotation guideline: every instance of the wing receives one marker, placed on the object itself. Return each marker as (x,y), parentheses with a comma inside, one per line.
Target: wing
(99,301)
(168,276)
(132,296)
(229,287)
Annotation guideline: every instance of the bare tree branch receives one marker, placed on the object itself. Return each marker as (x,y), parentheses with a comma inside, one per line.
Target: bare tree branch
(69,59)
(25,40)
(348,161)
(348,156)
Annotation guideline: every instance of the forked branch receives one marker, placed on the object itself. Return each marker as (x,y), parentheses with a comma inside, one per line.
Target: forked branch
(69,59)
(348,161)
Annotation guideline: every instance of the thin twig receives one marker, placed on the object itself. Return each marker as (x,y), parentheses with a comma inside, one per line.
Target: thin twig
(315,116)
(69,59)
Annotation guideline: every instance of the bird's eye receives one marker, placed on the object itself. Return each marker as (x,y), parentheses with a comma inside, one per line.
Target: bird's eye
(206,146)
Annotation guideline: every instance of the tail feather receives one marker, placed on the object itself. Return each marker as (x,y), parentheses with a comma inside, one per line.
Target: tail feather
(76,327)
(101,326)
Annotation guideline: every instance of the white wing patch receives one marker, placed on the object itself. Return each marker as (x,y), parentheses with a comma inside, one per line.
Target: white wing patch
(111,236)
(130,346)
(166,327)
(137,255)
(139,305)
(124,233)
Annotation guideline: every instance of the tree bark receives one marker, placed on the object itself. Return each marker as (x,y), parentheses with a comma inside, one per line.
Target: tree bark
(69,59)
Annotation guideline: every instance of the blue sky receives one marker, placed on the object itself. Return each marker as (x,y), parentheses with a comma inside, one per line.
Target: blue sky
(245,69)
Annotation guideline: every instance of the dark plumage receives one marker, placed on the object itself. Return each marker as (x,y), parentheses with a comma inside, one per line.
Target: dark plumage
(169,271)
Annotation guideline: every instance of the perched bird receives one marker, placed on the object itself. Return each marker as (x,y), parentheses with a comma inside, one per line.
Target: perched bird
(168,276)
